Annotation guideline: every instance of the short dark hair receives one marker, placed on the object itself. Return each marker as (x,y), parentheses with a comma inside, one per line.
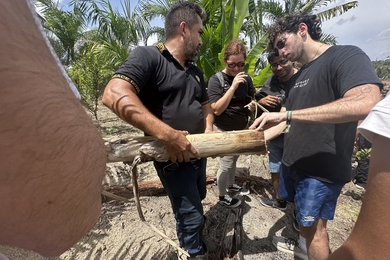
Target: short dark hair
(234,47)
(290,23)
(272,55)
(182,11)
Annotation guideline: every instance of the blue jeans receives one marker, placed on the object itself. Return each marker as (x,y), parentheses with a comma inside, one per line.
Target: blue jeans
(275,149)
(185,184)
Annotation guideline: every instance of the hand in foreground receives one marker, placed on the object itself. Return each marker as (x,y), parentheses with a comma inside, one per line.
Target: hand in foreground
(178,146)
(270,101)
(268,120)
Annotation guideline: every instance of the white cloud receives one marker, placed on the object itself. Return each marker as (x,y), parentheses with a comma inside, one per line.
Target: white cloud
(366,26)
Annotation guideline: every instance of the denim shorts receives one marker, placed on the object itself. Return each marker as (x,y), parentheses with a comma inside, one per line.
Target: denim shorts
(313,198)
(275,149)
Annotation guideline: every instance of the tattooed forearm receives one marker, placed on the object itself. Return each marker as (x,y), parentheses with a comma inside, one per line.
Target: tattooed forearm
(353,106)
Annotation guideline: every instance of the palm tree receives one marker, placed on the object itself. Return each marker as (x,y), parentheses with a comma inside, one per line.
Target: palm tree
(263,13)
(120,31)
(64,29)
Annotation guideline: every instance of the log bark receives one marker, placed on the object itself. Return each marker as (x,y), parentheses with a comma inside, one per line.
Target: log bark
(230,245)
(207,145)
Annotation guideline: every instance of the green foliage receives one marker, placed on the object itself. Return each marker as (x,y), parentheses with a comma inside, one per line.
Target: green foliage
(64,30)
(91,56)
(90,76)
(382,68)
(232,14)
(363,154)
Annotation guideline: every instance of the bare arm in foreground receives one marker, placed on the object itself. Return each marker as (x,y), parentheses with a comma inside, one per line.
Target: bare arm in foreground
(370,236)
(52,157)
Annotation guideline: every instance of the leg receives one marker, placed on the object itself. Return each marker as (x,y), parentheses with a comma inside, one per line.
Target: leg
(275,177)
(226,166)
(317,240)
(275,149)
(182,182)
(232,171)
(360,179)
(227,169)
(315,204)
(286,189)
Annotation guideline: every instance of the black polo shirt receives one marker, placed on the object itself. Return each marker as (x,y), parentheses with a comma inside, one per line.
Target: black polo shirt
(172,93)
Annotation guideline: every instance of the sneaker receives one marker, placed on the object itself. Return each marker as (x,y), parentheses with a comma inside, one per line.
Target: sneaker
(279,204)
(229,202)
(236,188)
(295,223)
(289,245)
(359,184)
(200,257)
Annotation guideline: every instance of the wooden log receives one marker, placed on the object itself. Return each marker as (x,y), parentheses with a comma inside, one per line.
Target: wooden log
(208,145)
(238,233)
(226,245)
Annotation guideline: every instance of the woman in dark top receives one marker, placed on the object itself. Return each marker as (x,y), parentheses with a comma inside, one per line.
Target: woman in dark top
(230,91)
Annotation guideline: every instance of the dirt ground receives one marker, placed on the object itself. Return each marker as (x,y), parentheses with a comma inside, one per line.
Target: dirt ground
(120,234)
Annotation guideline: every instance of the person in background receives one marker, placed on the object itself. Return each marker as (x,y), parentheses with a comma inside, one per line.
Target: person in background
(52,157)
(272,96)
(362,155)
(370,238)
(230,91)
(335,87)
(158,90)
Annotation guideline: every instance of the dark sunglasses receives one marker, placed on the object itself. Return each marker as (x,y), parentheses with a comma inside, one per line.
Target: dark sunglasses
(282,42)
(282,63)
(232,65)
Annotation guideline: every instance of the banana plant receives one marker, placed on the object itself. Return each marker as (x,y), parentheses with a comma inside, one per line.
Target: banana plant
(216,36)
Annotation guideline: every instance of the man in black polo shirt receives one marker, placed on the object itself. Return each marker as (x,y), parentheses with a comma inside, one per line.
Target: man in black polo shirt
(159,91)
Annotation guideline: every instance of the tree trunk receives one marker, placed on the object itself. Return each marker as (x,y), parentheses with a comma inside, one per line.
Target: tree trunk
(207,145)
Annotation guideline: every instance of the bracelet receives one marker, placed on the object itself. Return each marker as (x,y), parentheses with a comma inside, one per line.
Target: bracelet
(288,122)
(289,114)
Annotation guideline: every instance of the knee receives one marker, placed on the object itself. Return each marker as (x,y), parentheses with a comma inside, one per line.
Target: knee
(314,232)
(191,222)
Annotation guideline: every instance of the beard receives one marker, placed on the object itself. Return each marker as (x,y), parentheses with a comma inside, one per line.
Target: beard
(191,51)
(297,56)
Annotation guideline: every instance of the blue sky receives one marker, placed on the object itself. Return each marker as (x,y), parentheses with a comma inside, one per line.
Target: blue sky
(366,26)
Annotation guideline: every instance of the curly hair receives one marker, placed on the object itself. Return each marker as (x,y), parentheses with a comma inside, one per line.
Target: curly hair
(182,11)
(234,47)
(290,23)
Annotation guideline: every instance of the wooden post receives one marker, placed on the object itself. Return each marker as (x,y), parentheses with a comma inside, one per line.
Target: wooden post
(208,145)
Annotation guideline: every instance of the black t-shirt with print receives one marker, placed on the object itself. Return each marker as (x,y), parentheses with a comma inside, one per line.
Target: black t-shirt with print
(324,151)
(172,93)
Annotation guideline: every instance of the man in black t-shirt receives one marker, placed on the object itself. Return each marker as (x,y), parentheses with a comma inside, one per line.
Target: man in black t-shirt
(158,90)
(335,87)
(272,96)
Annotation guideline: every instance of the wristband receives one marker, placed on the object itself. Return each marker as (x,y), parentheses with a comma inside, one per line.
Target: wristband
(288,122)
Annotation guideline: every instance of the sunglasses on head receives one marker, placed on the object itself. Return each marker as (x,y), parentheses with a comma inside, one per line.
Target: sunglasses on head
(232,65)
